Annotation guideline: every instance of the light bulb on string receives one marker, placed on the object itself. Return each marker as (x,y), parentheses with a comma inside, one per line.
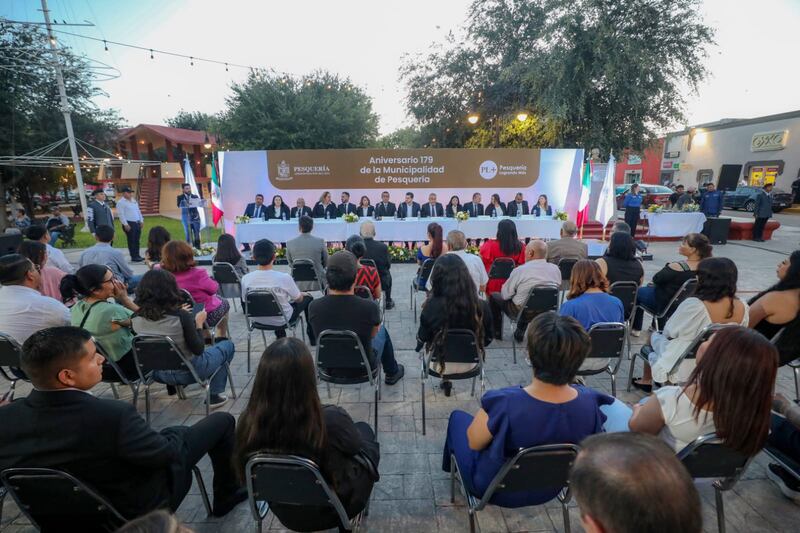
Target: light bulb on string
(191,61)
(105,45)
(226,67)
(151,53)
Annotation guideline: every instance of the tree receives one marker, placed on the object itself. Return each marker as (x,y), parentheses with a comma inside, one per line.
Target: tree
(409,137)
(321,110)
(593,73)
(194,120)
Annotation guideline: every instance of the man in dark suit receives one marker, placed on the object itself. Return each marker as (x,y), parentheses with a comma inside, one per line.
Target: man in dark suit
(385,208)
(379,252)
(106,443)
(255,209)
(518,206)
(190,216)
(97,212)
(301,209)
(475,207)
(409,208)
(432,208)
(762,211)
(346,207)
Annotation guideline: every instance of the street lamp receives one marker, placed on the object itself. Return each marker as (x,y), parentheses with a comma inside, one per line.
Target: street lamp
(473,118)
(522,116)
(207,143)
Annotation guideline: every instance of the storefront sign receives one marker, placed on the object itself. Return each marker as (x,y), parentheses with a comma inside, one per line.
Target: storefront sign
(666,165)
(672,155)
(634,159)
(769,141)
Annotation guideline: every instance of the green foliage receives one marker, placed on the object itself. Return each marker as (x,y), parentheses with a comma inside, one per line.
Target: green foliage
(173,226)
(409,137)
(194,120)
(604,73)
(320,110)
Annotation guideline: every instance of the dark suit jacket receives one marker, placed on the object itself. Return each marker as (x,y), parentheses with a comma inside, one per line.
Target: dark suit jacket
(273,215)
(388,210)
(306,211)
(474,210)
(438,210)
(250,211)
(320,210)
(104,443)
(351,208)
(512,208)
(193,213)
(450,212)
(402,210)
(378,252)
(490,210)
(366,212)
(537,211)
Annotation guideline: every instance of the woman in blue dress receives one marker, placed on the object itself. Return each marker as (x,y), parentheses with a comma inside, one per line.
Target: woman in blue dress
(547,411)
(633,208)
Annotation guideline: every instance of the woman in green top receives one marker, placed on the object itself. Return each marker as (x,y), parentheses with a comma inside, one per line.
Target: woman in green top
(108,322)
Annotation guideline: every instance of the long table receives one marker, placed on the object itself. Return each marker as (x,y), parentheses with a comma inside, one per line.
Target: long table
(674,224)
(397,230)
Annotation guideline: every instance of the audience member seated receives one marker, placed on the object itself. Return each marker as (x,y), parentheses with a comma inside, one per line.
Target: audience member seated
(588,300)
(729,392)
(161,312)
(535,272)
(106,443)
(341,309)
(456,245)
(379,253)
(547,411)
(292,301)
(306,246)
(666,282)
(284,415)
(55,257)
(778,308)
(452,304)
(619,263)
(50,275)
(23,309)
(505,244)
(435,246)
(56,224)
(177,257)
(21,220)
(714,302)
(228,252)
(102,253)
(784,435)
(156,239)
(568,246)
(108,322)
(367,276)
(616,478)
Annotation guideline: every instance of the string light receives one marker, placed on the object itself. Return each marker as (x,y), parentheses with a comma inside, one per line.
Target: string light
(151,54)
(226,67)
(191,61)
(105,45)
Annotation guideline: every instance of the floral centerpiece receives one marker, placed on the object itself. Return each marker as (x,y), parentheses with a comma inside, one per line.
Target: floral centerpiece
(280,253)
(205,249)
(472,249)
(350,218)
(462,216)
(241,219)
(690,208)
(560,215)
(399,254)
(655,208)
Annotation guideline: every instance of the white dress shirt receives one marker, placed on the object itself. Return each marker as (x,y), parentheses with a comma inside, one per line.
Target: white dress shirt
(128,211)
(56,258)
(533,273)
(24,311)
(475,267)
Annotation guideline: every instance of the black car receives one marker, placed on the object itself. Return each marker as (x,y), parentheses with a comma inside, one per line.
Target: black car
(745,198)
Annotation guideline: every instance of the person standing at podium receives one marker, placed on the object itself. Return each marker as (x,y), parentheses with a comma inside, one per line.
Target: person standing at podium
(633,208)
(190,216)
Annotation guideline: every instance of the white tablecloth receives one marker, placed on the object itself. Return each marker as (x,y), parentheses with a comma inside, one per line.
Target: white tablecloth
(397,230)
(674,224)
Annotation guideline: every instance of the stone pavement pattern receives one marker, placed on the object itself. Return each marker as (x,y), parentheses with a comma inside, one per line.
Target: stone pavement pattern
(413,493)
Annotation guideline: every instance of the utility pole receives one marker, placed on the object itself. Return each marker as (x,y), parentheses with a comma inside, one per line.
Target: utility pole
(65,109)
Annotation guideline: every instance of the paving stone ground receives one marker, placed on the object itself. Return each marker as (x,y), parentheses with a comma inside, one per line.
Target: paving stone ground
(413,493)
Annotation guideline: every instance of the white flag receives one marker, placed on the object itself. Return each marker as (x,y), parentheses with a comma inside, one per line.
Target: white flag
(606,202)
(188,175)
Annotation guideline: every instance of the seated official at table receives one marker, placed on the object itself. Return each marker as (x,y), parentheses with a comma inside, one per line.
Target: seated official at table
(409,208)
(453,207)
(346,206)
(495,207)
(432,208)
(256,209)
(518,206)
(385,208)
(277,210)
(542,207)
(475,207)
(325,208)
(301,209)
(365,209)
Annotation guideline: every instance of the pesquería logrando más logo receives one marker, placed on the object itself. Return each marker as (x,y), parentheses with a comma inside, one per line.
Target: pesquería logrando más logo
(488,170)
(284,171)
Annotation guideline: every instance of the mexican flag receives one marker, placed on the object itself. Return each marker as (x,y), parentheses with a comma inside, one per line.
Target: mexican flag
(586,187)
(216,193)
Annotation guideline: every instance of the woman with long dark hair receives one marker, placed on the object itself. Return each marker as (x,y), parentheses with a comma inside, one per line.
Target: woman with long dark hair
(778,308)
(505,244)
(284,415)
(729,393)
(713,302)
(434,247)
(619,263)
(495,207)
(365,208)
(156,239)
(453,207)
(542,207)
(453,303)
(277,210)
(228,252)
(51,276)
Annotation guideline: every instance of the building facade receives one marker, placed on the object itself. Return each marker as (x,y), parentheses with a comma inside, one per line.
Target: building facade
(640,168)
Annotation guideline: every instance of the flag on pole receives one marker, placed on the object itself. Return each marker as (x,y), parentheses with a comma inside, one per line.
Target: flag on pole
(188,175)
(606,203)
(586,188)
(216,193)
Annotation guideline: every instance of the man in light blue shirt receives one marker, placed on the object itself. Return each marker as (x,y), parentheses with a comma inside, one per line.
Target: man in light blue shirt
(132,222)
(103,253)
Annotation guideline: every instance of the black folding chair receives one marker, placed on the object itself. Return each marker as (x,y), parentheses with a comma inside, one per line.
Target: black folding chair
(9,243)
(540,300)
(111,367)
(794,365)
(788,464)
(608,342)
(263,303)
(230,283)
(10,353)
(459,346)
(303,271)
(159,352)
(565,266)
(707,457)
(538,468)
(418,284)
(363,291)
(341,359)
(67,235)
(686,290)
(368,262)
(627,292)
(297,481)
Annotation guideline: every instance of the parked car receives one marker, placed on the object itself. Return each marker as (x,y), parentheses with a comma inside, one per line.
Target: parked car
(745,198)
(653,194)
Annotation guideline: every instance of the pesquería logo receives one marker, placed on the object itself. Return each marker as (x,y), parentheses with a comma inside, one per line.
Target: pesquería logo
(284,171)
(488,170)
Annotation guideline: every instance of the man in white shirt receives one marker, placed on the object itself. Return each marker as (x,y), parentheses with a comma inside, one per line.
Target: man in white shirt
(292,301)
(55,257)
(535,272)
(130,216)
(456,244)
(23,309)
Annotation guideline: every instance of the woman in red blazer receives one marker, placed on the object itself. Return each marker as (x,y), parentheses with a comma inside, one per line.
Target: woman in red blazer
(506,244)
